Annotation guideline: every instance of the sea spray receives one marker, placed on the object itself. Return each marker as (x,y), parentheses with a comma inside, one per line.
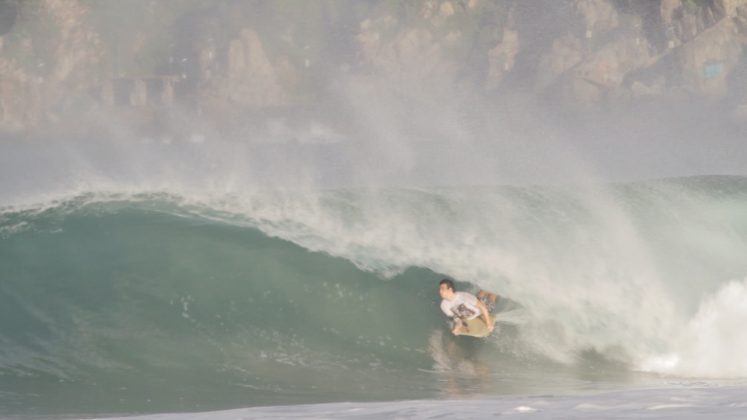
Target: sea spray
(713,342)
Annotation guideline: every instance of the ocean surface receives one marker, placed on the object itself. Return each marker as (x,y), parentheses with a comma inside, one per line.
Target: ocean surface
(616,300)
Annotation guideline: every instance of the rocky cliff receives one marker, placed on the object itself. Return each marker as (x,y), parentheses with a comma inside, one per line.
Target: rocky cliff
(61,59)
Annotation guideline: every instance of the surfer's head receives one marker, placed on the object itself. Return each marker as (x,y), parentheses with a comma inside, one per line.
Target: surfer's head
(446,289)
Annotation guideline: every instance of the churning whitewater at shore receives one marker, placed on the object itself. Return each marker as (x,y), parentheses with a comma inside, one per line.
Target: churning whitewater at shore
(156,302)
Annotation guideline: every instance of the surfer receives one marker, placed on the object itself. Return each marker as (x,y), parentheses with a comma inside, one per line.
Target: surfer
(464,309)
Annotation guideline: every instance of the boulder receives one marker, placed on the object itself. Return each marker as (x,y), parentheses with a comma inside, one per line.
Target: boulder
(409,54)
(567,51)
(599,16)
(707,60)
(586,75)
(250,77)
(609,65)
(667,9)
(501,58)
(446,9)
(729,8)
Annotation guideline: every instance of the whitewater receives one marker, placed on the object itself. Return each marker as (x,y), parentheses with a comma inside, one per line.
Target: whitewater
(141,288)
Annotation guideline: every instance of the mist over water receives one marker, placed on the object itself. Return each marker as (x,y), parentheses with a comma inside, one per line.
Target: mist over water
(287,216)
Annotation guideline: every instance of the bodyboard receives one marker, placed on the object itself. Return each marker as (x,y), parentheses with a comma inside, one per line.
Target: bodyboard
(476,327)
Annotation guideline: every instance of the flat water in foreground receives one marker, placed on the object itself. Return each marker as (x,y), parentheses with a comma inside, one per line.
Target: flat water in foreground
(663,403)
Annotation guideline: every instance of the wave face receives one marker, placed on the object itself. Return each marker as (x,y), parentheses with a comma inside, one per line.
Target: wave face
(166,302)
(129,302)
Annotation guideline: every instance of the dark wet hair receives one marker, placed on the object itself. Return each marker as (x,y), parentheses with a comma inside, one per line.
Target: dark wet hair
(448,283)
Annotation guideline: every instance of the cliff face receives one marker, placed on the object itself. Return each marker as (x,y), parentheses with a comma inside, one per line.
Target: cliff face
(59,57)
(48,58)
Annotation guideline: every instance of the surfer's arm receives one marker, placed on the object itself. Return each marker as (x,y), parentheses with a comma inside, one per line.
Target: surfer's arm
(456,325)
(456,322)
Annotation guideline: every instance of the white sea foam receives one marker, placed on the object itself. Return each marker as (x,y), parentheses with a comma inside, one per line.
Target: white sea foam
(714,342)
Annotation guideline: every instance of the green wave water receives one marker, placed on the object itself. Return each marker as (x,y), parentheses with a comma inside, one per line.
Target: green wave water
(144,303)
(128,306)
